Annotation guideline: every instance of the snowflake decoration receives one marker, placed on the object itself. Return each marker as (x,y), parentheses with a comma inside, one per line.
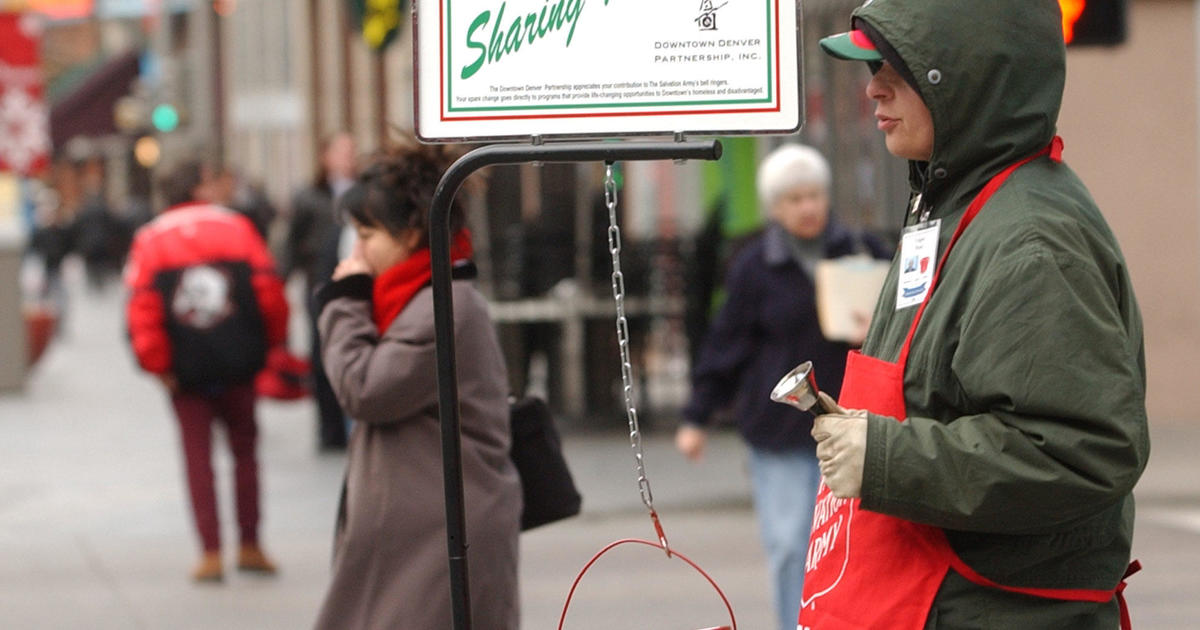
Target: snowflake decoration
(24,132)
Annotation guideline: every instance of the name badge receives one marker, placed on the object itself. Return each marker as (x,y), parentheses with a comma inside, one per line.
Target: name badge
(918,257)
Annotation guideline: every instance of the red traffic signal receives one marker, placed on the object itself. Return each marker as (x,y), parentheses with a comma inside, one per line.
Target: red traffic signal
(1093,22)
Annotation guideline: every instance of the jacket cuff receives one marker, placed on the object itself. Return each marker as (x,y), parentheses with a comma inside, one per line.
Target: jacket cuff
(695,416)
(874,481)
(359,286)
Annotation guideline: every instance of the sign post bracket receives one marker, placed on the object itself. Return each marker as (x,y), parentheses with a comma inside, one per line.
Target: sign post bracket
(443,307)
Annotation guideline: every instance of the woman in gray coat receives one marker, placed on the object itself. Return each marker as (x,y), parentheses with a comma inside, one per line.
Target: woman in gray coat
(390,568)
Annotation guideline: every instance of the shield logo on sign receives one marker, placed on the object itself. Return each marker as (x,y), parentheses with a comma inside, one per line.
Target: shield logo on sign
(924,264)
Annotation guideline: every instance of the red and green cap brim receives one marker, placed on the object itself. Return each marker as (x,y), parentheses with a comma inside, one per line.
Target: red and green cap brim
(853,45)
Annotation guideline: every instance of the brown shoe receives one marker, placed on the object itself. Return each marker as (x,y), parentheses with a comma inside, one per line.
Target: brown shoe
(251,558)
(209,568)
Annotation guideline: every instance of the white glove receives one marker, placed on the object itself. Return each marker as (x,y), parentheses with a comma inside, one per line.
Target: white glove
(841,437)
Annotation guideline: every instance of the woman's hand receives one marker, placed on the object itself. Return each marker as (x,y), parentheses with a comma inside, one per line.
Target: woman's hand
(353,264)
(841,436)
(862,325)
(690,440)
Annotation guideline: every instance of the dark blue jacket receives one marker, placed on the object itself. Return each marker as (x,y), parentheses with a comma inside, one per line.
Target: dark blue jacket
(768,326)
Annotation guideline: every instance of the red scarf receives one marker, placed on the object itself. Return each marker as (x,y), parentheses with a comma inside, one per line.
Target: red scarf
(395,287)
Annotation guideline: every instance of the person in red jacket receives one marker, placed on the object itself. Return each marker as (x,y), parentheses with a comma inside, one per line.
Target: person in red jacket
(205,304)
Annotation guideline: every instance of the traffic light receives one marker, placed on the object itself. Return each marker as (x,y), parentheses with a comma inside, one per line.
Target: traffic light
(224,8)
(379,20)
(165,117)
(147,150)
(1093,22)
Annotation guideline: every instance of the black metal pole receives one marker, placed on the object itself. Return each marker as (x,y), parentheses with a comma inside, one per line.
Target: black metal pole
(443,306)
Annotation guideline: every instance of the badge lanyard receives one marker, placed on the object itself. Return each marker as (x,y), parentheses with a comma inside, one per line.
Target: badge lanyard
(635,433)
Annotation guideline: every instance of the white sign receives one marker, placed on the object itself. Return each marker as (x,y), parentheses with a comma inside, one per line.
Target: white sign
(491,69)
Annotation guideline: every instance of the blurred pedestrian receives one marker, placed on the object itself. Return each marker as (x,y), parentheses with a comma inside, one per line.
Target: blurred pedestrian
(51,240)
(767,326)
(992,429)
(377,339)
(99,235)
(228,187)
(205,305)
(311,247)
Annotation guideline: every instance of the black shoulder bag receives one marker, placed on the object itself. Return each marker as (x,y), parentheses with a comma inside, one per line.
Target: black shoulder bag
(549,490)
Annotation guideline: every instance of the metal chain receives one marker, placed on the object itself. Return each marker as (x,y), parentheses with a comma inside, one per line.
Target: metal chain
(618,286)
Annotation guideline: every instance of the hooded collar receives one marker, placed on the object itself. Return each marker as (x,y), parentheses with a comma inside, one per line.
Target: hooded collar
(835,241)
(776,249)
(992,76)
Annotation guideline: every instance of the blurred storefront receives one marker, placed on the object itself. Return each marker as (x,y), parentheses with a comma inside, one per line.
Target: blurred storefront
(294,71)
(258,83)
(1129,120)
(24,153)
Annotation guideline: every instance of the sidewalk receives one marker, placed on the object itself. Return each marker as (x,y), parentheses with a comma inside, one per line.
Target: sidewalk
(95,530)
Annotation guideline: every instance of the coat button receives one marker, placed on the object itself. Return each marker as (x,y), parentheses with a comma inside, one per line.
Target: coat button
(940,173)
(934,76)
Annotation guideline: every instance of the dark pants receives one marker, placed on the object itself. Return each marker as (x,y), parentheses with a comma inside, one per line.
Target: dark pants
(331,420)
(234,407)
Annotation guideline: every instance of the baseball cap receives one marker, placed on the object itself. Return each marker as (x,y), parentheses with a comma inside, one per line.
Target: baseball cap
(864,43)
(854,45)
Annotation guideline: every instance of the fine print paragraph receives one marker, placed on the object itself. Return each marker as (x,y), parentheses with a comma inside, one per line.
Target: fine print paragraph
(625,91)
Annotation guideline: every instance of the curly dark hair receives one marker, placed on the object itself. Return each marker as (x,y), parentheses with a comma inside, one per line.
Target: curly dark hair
(396,188)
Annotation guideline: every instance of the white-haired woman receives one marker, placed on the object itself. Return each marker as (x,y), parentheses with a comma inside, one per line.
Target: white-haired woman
(767,326)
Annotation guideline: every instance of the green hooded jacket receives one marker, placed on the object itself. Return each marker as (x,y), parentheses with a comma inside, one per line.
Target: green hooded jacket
(1025,383)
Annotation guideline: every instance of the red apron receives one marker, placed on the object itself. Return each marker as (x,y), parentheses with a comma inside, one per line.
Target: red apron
(869,570)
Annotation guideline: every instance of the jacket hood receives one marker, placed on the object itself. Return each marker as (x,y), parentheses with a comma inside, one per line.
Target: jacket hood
(991,73)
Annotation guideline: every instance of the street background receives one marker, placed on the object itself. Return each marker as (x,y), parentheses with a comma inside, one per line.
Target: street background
(95,531)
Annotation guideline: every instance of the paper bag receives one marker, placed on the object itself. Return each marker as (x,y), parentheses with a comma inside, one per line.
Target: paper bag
(847,289)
